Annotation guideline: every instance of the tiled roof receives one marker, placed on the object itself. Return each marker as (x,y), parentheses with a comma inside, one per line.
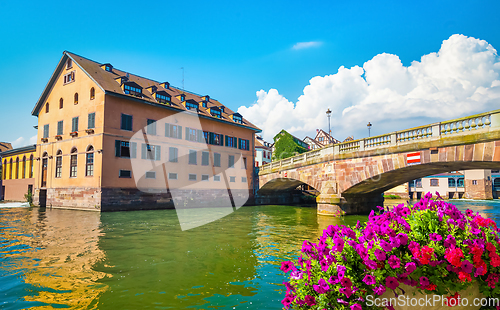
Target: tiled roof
(4,146)
(108,83)
(29,148)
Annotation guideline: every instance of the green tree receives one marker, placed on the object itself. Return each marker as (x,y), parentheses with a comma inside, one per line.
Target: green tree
(286,145)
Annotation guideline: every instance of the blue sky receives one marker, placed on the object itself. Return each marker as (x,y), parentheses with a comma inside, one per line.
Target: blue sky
(231,50)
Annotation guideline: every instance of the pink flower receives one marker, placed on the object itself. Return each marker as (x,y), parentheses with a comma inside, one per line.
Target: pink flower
(380,255)
(322,287)
(310,300)
(369,279)
(394,262)
(356,307)
(391,282)
(287,266)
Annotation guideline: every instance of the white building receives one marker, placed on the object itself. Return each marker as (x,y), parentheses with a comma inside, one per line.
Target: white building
(263,153)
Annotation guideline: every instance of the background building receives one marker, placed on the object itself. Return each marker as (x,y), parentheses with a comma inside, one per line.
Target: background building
(263,152)
(95,121)
(17,173)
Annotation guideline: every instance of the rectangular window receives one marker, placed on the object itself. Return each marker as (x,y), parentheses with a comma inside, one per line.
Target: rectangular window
(173,155)
(191,106)
(126,122)
(125,174)
(131,90)
(192,157)
(192,177)
(231,142)
(244,144)
(162,99)
(218,139)
(461,182)
(217,178)
(69,77)
(474,182)
(204,158)
(151,152)
(418,183)
(244,163)
(46,131)
(243,179)
(91,122)
(231,161)
(59,128)
(150,175)
(451,182)
(58,166)
(216,160)
(232,179)
(173,131)
(73,166)
(151,128)
(206,136)
(172,176)
(124,149)
(74,124)
(89,165)
(205,177)
(434,182)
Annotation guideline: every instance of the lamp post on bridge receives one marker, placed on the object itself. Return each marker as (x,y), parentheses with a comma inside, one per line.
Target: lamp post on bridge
(328,114)
(369,125)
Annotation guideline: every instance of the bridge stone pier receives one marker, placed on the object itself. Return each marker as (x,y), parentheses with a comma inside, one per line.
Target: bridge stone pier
(352,176)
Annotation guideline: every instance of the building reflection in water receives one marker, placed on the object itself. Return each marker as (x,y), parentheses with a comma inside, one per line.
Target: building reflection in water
(54,251)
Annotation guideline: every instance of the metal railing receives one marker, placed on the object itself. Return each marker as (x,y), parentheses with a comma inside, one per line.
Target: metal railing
(462,126)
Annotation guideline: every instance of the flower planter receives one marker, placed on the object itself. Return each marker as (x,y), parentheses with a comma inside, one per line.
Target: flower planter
(421,252)
(412,295)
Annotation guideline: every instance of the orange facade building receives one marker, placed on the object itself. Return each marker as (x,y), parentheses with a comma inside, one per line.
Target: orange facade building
(111,140)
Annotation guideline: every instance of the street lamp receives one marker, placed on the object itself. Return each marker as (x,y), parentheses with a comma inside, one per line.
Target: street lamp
(328,114)
(369,125)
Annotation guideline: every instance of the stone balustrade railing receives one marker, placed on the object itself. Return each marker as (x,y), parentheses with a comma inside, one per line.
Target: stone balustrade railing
(461,126)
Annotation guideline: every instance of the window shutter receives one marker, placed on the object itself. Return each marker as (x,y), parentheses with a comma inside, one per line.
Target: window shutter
(117,148)
(199,136)
(158,152)
(226,141)
(133,149)
(176,154)
(187,134)
(73,75)
(211,138)
(179,132)
(239,143)
(167,130)
(222,140)
(144,151)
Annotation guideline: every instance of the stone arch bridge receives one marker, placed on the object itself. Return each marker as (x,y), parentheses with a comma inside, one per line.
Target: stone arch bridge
(352,176)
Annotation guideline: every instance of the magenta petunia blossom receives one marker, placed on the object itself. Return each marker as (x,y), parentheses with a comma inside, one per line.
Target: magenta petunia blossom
(356,307)
(394,262)
(467,266)
(322,286)
(286,266)
(391,282)
(370,264)
(379,290)
(369,279)
(410,267)
(424,281)
(380,255)
(403,238)
(435,237)
(310,300)
(346,282)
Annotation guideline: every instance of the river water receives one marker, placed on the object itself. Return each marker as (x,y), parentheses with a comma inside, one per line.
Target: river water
(143,260)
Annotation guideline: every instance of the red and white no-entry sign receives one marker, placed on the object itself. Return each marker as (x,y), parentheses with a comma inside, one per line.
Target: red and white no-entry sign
(413,158)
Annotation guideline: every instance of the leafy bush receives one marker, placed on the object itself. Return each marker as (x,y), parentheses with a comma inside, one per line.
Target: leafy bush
(29,197)
(431,246)
(285,146)
(392,197)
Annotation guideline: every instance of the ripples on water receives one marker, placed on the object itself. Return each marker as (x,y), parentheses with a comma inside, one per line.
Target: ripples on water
(143,260)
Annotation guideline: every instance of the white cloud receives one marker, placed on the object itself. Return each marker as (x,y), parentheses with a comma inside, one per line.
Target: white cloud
(462,78)
(33,139)
(303,45)
(18,142)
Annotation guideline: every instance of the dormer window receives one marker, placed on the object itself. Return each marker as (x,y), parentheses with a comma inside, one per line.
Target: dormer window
(130,89)
(221,109)
(183,97)
(215,112)
(237,118)
(163,98)
(165,85)
(191,105)
(204,104)
(107,67)
(206,98)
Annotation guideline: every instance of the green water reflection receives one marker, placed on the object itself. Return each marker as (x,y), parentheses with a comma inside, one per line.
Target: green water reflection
(143,260)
